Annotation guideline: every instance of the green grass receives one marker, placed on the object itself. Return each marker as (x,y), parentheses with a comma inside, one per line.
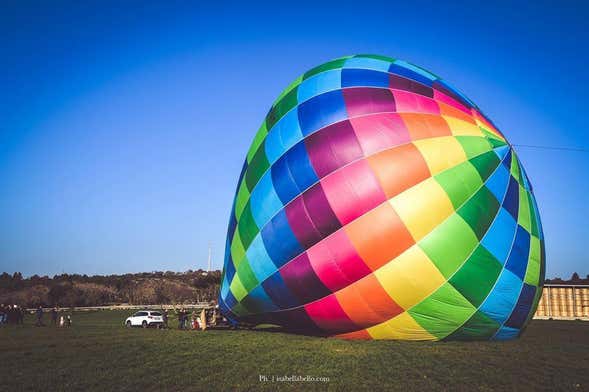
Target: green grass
(98,353)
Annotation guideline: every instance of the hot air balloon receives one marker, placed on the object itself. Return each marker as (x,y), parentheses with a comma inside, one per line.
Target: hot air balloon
(378,202)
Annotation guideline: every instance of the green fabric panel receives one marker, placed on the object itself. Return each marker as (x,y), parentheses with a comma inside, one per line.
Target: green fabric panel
(334,64)
(237,250)
(252,305)
(290,87)
(475,279)
(515,172)
(497,143)
(256,169)
(486,164)
(247,227)
(282,107)
(241,199)
(240,310)
(237,288)
(442,312)
(474,145)
(493,138)
(258,139)
(479,211)
(449,244)
(478,327)
(460,182)
(246,276)
(533,271)
(376,56)
(533,215)
(523,215)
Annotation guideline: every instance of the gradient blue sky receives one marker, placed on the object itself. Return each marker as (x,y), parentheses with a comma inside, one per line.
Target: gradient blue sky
(124,125)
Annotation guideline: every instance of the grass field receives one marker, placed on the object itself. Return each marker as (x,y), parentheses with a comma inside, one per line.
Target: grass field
(98,353)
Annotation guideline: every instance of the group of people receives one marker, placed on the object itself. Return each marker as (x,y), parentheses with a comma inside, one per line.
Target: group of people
(194,320)
(12,314)
(15,314)
(56,320)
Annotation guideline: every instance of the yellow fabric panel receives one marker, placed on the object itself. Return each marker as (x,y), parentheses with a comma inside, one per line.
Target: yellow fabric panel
(410,277)
(462,128)
(423,207)
(441,153)
(401,327)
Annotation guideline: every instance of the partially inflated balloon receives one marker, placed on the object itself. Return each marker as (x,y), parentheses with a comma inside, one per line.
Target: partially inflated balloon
(378,202)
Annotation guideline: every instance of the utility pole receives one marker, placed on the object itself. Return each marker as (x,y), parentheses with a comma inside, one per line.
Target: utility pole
(209,262)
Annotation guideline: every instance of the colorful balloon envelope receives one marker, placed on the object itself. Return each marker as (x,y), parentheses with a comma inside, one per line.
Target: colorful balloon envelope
(378,202)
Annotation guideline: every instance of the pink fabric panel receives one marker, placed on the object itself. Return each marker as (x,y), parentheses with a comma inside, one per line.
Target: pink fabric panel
(439,96)
(413,103)
(352,191)
(379,132)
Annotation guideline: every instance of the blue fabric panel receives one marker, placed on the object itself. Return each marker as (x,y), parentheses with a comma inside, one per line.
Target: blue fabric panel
(501,151)
(279,240)
(499,237)
(229,267)
(321,111)
(300,167)
(224,287)
(367,63)
(498,181)
(507,160)
(260,262)
(230,300)
(232,225)
(522,307)
(273,145)
(410,74)
(518,258)
(506,333)
(319,84)
(365,78)
(503,297)
(416,69)
(285,134)
(278,292)
(511,202)
(261,299)
(284,183)
(264,200)
(290,130)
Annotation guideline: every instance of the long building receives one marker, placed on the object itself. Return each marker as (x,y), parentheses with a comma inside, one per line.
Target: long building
(564,302)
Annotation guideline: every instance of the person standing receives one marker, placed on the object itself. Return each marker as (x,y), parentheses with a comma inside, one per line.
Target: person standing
(165,317)
(39,314)
(2,314)
(20,315)
(54,316)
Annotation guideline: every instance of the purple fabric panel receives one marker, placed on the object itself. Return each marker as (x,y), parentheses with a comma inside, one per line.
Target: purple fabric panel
(365,100)
(333,147)
(301,279)
(301,223)
(320,211)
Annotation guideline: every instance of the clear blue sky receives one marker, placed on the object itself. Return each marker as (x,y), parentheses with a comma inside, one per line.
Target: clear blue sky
(124,125)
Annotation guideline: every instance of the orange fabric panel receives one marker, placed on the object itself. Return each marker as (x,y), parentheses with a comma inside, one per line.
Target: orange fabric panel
(367,303)
(423,126)
(356,335)
(379,236)
(447,110)
(399,169)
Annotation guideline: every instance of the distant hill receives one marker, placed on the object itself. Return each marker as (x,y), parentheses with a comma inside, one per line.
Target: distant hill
(145,288)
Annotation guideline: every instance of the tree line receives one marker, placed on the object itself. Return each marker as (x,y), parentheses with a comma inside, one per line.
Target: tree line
(146,288)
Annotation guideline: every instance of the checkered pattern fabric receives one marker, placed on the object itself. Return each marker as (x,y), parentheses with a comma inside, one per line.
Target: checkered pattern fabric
(378,202)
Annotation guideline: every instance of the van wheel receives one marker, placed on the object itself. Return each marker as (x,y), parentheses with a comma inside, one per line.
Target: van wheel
(128,324)
(144,324)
